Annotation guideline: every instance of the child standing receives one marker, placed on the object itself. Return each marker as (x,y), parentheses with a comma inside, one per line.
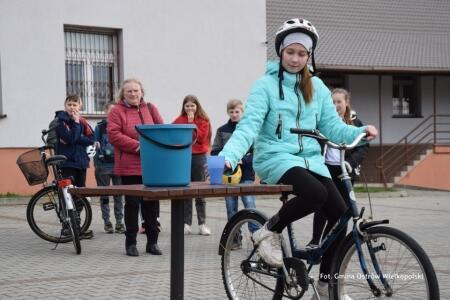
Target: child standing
(193,113)
(104,166)
(235,110)
(74,135)
(354,157)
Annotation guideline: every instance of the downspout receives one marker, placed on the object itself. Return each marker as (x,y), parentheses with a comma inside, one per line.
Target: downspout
(380,130)
(434,114)
(2,115)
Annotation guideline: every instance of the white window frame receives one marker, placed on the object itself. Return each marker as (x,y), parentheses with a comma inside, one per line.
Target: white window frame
(84,45)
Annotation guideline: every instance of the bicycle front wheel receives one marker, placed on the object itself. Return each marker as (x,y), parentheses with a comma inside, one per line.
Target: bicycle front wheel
(403,264)
(244,274)
(74,230)
(43,215)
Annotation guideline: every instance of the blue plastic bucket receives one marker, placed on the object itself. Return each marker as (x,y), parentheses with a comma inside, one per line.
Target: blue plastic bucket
(166,154)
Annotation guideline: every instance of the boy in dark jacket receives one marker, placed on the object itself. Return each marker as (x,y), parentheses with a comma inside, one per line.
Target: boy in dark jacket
(235,110)
(74,135)
(104,166)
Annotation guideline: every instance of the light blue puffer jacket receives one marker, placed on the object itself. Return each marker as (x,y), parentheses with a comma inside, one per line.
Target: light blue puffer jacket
(274,154)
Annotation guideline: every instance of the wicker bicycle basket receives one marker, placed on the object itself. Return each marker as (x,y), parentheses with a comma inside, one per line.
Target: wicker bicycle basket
(32,166)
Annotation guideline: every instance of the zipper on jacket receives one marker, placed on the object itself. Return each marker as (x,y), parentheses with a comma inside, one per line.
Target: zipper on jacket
(299,107)
(279,127)
(140,115)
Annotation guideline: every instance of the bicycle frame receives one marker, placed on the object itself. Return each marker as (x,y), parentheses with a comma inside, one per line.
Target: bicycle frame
(313,256)
(64,198)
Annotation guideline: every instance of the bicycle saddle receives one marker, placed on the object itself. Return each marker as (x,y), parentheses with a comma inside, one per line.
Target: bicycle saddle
(55,160)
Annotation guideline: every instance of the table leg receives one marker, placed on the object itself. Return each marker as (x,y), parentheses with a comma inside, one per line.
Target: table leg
(177,250)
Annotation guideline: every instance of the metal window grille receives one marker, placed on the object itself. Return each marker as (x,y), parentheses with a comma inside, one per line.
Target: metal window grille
(92,67)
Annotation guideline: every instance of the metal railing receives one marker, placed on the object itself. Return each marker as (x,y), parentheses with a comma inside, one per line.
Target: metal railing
(431,132)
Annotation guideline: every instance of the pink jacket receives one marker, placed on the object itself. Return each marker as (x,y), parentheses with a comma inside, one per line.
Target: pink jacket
(123,136)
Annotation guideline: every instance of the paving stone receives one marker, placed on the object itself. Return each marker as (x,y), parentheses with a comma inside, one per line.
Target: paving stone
(32,269)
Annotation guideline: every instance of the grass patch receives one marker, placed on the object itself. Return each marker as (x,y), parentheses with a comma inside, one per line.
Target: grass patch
(374,189)
(10,195)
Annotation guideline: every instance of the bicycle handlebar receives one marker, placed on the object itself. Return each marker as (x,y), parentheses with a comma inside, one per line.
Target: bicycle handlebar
(315,134)
(44,133)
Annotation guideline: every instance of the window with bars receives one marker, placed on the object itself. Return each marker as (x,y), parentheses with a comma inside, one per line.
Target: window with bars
(405,96)
(92,66)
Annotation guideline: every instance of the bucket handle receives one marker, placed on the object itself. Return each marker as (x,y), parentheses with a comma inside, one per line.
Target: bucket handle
(166,145)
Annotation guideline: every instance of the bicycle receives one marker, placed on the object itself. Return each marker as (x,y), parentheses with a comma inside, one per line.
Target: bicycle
(373,262)
(52,214)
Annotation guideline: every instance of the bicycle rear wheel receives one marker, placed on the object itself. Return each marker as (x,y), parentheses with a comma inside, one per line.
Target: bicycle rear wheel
(43,215)
(244,274)
(403,263)
(74,230)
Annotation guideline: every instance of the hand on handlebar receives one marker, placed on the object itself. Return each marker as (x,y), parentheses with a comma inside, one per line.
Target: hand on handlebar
(371,132)
(227,164)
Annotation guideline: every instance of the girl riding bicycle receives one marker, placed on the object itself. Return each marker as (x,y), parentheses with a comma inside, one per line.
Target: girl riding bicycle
(289,96)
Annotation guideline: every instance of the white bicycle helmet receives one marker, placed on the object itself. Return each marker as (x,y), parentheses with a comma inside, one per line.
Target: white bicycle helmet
(295,25)
(90,150)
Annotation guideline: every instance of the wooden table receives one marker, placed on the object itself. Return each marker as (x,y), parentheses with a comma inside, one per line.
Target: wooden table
(195,189)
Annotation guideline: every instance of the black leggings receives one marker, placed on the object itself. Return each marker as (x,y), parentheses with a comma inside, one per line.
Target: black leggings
(319,218)
(312,193)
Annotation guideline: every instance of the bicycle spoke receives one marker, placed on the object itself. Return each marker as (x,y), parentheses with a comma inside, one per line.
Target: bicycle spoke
(397,256)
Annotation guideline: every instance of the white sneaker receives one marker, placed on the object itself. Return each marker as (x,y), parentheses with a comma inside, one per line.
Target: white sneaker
(269,246)
(187,229)
(322,290)
(204,230)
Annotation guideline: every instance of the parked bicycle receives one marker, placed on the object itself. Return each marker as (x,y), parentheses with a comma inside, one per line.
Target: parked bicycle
(52,213)
(373,262)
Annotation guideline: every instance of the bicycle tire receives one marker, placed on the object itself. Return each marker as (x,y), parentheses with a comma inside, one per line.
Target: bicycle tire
(236,249)
(405,266)
(74,230)
(43,218)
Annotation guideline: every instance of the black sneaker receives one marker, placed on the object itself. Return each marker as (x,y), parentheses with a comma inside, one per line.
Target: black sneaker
(87,235)
(120,228)
(132,250)
(153,249)
(109,228)
(237,242)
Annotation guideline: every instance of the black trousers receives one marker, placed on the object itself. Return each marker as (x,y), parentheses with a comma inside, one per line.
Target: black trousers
(313,193)
(319,218)
(78,175)
(150,213)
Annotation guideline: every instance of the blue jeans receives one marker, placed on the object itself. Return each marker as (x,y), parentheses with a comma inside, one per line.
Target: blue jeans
(104,178)
(232,203)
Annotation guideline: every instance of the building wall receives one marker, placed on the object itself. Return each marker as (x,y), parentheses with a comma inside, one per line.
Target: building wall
(432,172)
(202,47)
(365,101)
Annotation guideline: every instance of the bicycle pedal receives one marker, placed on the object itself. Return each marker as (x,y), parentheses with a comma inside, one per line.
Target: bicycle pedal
(300,271)
(48,206)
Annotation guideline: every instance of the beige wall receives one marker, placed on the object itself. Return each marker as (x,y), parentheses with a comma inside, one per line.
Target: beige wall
(12,179)
(432,172)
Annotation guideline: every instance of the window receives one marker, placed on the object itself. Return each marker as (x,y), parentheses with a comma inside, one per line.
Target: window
(92,66)
(333,81)
(405,96)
